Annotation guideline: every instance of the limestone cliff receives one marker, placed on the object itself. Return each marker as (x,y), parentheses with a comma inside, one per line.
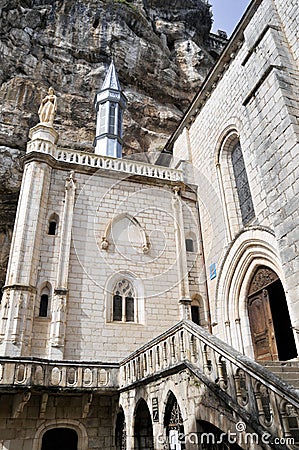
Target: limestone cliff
(160,51)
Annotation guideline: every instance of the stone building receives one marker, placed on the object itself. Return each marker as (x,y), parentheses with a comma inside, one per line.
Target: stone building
(153,306)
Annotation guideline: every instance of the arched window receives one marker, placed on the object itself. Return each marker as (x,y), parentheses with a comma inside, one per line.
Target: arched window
(241,180)
(189,245)
(43,305)
(124,299)
(53,224)
(237,204)
(44,302)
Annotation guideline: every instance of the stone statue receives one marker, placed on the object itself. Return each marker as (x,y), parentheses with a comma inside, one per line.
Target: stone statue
(48,108)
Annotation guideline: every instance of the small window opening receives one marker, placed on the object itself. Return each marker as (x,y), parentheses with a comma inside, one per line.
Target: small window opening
(189,245)
(52,228)
(43,306)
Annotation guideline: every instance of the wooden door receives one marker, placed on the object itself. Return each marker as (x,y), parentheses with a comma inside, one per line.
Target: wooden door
(262,329)
(260,316)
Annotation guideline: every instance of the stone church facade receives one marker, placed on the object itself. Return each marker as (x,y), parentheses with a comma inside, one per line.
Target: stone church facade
(155,306)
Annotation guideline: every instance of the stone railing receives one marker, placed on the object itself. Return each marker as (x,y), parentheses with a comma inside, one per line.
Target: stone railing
(18,372)
(237,379)
(126,166)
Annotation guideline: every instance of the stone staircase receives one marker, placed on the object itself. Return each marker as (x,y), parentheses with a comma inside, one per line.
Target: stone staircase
(263,396)
(287,371)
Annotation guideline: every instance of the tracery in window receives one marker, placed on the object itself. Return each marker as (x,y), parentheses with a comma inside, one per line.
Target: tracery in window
(124,302)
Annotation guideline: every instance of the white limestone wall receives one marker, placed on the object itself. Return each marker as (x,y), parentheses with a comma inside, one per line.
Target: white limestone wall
(257,97)
(90,332)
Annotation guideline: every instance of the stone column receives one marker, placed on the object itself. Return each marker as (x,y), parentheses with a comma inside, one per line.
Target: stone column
(184,294)
(58,323)
(20,286)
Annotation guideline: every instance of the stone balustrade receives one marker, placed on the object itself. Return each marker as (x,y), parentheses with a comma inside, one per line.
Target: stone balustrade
(18,372)
(126,166)
(243,382)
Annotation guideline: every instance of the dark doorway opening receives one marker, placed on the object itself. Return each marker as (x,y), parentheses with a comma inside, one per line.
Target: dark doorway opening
(60,439)
(195,314)
(285,341)
(120,432)
(143,430)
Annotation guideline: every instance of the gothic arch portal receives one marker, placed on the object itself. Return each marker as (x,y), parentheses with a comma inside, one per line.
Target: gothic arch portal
(252,249)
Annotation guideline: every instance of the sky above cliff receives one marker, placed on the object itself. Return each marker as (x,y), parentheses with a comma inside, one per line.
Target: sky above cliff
(227,13)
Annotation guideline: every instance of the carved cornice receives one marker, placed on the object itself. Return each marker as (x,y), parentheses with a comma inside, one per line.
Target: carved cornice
(19,287)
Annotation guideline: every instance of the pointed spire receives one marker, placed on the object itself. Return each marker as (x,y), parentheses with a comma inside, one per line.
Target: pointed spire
(110,104)
(111,80)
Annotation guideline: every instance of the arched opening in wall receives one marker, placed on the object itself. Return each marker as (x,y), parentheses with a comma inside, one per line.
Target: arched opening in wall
(143,428)
(269,318)
(242,184)
(212,438)
(237,204)
(44,302)
(53,224)
(173,423)
(197,310)
(120,432)
(124,302)
(60,439)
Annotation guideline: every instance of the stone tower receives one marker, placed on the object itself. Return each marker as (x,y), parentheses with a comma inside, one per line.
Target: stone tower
(110,103)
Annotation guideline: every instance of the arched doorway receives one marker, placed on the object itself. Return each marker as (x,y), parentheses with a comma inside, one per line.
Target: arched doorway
(120,432)
(60,439)
(143,429)
(173,423)
(269,318)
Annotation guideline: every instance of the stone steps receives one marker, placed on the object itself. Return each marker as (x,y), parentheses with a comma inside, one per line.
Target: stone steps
(288,371)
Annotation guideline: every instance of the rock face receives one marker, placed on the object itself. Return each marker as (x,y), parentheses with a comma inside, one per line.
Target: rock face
(160,51)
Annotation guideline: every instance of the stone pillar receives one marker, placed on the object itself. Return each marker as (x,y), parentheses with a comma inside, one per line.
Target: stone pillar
(58,323)
(20,287)
(184,294)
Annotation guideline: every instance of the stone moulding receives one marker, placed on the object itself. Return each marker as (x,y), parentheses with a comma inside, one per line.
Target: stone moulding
(104,162)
